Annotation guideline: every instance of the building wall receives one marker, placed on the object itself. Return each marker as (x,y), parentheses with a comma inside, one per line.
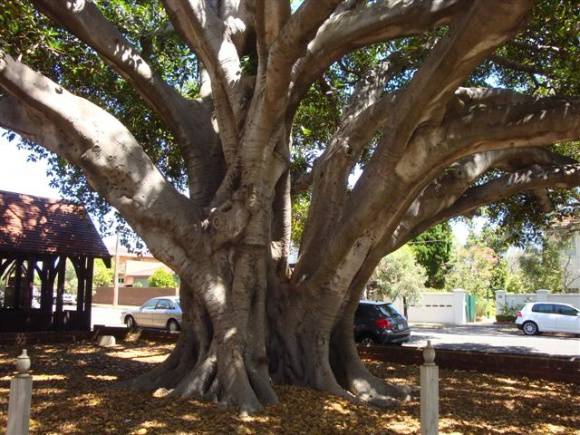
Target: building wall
(135,269)
(572,262)
(437,307)
(505,300)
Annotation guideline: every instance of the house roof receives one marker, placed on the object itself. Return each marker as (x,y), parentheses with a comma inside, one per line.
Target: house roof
(35,225)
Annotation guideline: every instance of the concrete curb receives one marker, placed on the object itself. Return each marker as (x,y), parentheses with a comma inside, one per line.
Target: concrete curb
(555,369)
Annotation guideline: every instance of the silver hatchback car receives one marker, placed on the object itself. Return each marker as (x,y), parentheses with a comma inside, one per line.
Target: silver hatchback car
(161,312)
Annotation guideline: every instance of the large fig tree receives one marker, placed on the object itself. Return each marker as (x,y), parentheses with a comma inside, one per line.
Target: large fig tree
(406,97)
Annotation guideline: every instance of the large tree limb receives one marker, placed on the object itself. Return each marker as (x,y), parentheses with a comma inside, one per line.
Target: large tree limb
(271,16)
(210,39)
(296,33)
(565,177)
(269,105)
(487,122)
(332,169)
(444,191)
(113,162)
(358,27)
(188,120)
(471,38)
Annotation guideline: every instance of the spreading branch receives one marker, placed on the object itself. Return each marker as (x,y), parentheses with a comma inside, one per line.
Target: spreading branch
(114,164)
(490,120)
(446,189)
(188,120)
(518,66)
(565,177)
(472,36)
(208,36)
(358,27)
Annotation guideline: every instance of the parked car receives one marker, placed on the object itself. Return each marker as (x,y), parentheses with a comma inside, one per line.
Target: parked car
(380,323)
(162,312)
(68,299)
(537,317)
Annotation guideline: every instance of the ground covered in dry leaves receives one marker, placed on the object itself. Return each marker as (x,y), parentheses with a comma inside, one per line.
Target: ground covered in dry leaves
(74,392)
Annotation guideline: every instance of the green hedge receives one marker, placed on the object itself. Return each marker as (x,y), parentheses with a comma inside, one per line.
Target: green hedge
(505,318)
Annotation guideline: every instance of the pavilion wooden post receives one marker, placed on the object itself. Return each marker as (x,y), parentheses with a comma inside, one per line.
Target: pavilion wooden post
(89,292)
(48,276)
(18,283)
(28,284)
(61,270)
(80,268)
(5,262)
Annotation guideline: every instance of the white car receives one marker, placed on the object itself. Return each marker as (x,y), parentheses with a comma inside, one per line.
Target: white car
(160,312)
(537,317)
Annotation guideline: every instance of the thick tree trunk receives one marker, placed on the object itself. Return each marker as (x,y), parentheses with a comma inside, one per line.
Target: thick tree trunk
(245,328)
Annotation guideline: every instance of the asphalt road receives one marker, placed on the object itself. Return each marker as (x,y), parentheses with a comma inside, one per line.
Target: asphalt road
(108,316)
(485,338)
(494,338)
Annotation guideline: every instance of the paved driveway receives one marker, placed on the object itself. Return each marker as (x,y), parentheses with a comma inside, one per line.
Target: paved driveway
(494,338)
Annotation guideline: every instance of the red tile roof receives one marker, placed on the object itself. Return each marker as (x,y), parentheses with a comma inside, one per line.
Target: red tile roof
(34,225)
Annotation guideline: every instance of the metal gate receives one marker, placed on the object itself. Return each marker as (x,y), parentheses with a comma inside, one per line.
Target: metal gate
(470,302)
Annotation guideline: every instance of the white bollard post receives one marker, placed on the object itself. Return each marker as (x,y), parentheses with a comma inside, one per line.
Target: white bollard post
(20,397)
(107,341)
(429,392)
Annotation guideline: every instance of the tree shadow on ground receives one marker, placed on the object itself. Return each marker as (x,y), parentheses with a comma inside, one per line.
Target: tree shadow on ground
(74,392)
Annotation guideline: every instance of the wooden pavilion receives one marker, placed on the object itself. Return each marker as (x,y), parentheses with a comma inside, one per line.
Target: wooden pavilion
(37,236)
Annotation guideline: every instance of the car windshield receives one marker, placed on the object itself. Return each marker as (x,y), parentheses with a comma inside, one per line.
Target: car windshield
(150,303)
(388,310)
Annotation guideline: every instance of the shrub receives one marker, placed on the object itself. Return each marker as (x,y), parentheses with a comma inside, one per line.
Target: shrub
(162,278)
(508,314)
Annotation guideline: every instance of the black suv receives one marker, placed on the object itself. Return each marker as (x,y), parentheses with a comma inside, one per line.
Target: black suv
(381,323)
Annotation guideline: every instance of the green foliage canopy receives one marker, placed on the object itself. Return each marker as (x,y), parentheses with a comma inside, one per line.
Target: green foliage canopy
(102,275)
(162,278)
(433,250)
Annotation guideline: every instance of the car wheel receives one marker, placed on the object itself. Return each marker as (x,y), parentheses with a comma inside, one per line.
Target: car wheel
(130,322)
(530,328)
(172,326)
(367,341)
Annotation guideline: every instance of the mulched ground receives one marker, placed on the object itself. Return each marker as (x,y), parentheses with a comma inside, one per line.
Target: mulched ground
(73,394)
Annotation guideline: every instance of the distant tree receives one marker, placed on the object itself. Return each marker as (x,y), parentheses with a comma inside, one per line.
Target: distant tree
(399,275)
(432,250)
(473,270)
(162,278)
(499,274)
(514,283)
(103,275)
(541,266)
